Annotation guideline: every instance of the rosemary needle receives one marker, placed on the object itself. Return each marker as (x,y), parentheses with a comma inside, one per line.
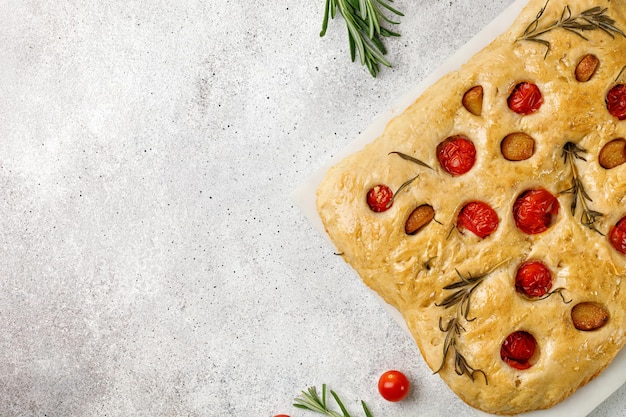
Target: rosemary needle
(570,153)
(364,20)
(311,401)
(460,298)
(595,18)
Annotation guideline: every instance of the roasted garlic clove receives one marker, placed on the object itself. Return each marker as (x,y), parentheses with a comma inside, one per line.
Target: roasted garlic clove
(517,146)
(473,100)
(586,67)
(419,218)
(588,316)
(613,153)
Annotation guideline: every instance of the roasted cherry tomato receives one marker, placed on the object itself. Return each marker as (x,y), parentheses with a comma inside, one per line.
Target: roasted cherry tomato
(534,211)
(517,349)
(525,98)
(617,236)
(616,101)
(479,218)
(456,155)
(393,386)
(379,198)
(533,279)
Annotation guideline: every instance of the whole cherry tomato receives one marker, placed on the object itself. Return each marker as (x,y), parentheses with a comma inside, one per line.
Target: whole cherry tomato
(456,155)
(393,386)
(533,279)
(517,349)
(525,98)
(281,415)
(479,218)
(379,198)
(616,101)
(534,210)
(617,236)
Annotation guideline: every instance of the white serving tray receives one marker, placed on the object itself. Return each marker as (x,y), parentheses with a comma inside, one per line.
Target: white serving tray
(587,398)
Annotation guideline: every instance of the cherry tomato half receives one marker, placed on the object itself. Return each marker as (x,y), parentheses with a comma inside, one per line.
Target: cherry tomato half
(517,349)
(617,236)
(456,155)
(525,98)
(379,198)
(393,386)
(533,279)
(616,101)
(534,211)
(479,218)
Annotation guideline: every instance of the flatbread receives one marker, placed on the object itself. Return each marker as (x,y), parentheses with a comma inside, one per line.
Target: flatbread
(454,279)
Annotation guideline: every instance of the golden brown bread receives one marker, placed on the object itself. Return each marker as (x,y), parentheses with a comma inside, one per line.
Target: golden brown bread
(465,338)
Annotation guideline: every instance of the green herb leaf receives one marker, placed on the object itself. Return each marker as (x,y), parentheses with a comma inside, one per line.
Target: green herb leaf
(341,406)
(588,20)
(363,22)
(410,158)
(460,298)
(588,217)
(366,410)
(311,401)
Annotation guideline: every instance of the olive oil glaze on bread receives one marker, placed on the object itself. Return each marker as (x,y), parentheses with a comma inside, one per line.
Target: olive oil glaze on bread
(491,212)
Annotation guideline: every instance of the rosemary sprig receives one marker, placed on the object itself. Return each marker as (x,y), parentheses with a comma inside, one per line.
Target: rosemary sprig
(595,18)
(588,217)
(311,401)
(402,187)
(620,73)
(364,20)
(453,329)
(407,183)
(461,299)
(412,159)
(558,291)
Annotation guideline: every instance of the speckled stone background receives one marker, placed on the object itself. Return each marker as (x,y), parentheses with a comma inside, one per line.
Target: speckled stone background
(152,261)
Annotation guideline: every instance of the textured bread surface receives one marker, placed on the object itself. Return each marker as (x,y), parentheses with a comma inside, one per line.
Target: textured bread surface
(411,271)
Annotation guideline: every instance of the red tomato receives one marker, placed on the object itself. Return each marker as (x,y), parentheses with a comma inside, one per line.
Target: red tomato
(525,98)
(533,279)
(616,101)
(479,218)
(617,236)
(517,349)
(456,155)
(534,211)
(281,415)
(393,386)
(379,198)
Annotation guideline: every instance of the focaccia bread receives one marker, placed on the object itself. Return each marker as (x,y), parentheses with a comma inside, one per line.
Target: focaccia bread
(491,212)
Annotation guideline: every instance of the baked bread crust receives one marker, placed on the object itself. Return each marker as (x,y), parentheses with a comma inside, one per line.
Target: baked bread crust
(411,271)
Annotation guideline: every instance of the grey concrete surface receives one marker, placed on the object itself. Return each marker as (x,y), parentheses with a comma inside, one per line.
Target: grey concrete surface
(152,261)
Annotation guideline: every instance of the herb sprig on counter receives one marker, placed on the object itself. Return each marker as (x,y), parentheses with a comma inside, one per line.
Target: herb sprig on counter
(364,20)
(571,152)
(311,401)
(595,18)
